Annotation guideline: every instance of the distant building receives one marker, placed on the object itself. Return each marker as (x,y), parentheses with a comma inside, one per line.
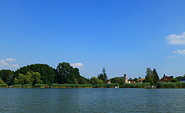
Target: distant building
(140,80)
(108,82)
(125,78)
(181,79)
(128,81)
(166,79)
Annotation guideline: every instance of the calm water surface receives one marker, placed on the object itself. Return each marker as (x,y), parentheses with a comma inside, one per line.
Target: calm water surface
(92,100)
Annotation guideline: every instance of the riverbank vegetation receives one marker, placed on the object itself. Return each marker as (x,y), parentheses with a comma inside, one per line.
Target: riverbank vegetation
(66,76)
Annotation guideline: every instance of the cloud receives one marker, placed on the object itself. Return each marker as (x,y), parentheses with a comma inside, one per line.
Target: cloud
(15,65)
(5,63)
(175,39)
(179,52)
(10,59)
(77,65)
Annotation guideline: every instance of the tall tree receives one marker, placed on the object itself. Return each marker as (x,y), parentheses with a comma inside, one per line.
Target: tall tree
(155,76)
(6,76)
(103,75)
(148,77)
(67,74)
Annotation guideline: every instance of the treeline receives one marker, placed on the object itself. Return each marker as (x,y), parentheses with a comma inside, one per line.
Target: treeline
(35,74)
(43,74)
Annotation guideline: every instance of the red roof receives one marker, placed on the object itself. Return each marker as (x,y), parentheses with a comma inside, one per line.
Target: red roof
(165,79)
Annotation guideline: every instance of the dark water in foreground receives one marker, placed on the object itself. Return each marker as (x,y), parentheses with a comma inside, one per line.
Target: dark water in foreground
(92,100)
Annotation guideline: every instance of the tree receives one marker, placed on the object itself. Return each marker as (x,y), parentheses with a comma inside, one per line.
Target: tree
(67,74)
(30,78)
(103,75)
(6,76)
(148,77)
(119,80)
(2,82)
(47,73)
(155,76)
(95,80)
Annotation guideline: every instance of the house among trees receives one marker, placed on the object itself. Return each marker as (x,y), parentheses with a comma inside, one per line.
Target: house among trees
(128,81)
(140,80)
(166,79)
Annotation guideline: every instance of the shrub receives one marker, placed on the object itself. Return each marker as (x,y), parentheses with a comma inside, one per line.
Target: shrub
(17,86)
(27,86)
(40,86)
(136,85)
(71,86)
(166,85)
(3,86)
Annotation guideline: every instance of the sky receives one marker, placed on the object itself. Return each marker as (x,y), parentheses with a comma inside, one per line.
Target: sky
(122,36)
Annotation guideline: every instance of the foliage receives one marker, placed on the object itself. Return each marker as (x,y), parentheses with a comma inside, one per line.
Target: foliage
(67,74)
(136,85)
(40,86)
(105,85)
(3,86)
(71,85)
(95,80)
(6,76)
(119,80)
(30,78)
(103,76)
(174,80)
(17,86)
(166,85)
(151,76)
(2,82)
(47,73)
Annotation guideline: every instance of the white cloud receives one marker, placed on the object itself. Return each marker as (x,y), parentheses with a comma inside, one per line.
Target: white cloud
(77,65)
(175,39)
(3,63)
(15,65)
(10,59)
(179,52)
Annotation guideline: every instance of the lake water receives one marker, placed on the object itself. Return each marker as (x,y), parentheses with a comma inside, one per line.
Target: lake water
(92,100)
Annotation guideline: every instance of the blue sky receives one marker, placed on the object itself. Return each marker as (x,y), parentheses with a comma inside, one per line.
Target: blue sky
(124,36)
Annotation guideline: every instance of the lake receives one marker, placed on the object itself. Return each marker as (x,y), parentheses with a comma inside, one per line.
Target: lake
(92,100)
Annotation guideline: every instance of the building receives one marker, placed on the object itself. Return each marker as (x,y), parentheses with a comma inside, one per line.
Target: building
(166,79)
(128,81)
(140,80)
(181,79)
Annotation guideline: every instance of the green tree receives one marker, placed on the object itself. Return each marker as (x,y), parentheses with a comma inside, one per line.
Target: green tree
(15,81)
(103,75)
(149,76)
(2,82)
(6,76)
(47,73)
(95,80)
(119,80)
(67,74)
(155,76)
(21,79)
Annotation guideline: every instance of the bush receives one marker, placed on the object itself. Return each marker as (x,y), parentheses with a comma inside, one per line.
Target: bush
(17,86)
(166,85)
(171,85)
(136,85)
(3,86)
(180,84)
(27,86)
(40,86)
(71,86)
